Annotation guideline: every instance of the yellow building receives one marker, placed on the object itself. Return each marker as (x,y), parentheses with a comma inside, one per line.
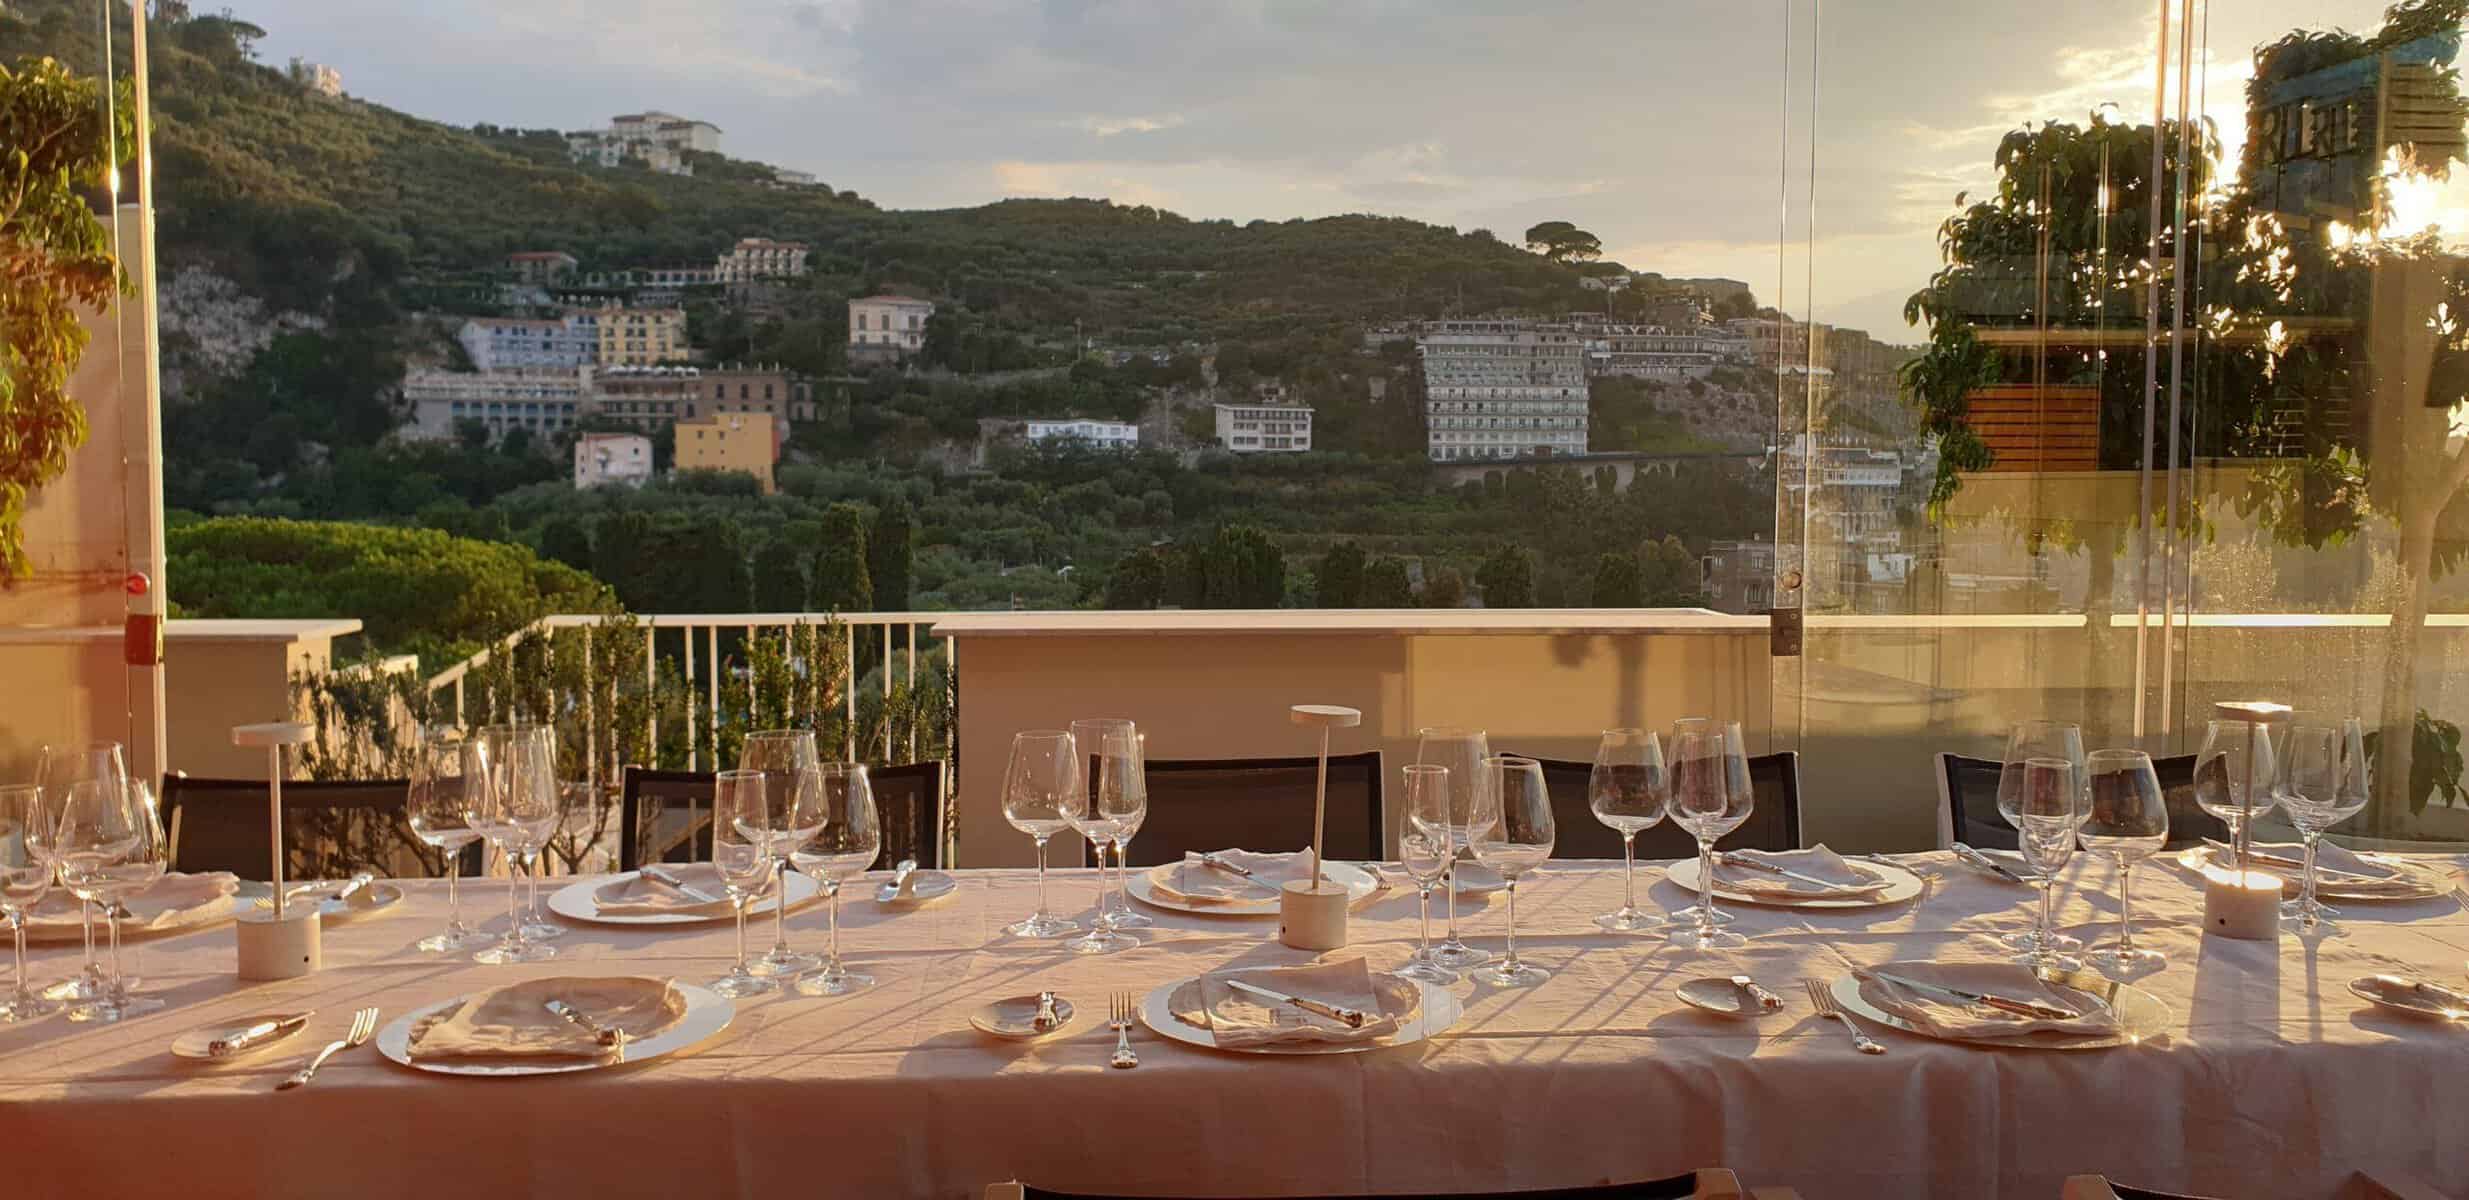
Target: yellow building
(738,441)
(642,337)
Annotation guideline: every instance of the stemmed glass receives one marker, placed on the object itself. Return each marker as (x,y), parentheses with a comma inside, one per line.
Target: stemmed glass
(743,856)
(448,765)
(1042,796)
(500,739)
(2027,741)
(62,766)
(2129,821)
(785,756)
(848,835)
(108,846)
(2325,784)
(1628,790)
(1122,798)
(1514,836)
(516,809)
(1091,734)
(2049,820)
(2234,780)
(1462,752)
(1711,796)
(25,874)
(1423,848)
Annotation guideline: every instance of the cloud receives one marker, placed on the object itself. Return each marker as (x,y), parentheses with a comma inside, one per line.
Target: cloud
(1107,127)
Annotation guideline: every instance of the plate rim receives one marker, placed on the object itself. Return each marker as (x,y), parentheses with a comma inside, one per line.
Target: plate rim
(1065,1009)
(203,916)
(1846,990)
(393,1041)
(2357,988)
(1888,895)
(918,895)
(1435,1001)
(2433,882)
(1146,893)
(573,902)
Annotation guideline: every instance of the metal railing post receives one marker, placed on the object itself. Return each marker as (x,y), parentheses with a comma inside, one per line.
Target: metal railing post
(694,753)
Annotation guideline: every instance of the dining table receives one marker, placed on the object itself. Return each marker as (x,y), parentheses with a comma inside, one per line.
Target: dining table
(2268,1077)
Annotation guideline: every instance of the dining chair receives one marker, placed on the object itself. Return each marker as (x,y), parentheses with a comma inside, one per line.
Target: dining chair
(331,829)
(666,815)
(1258,804)
(1709,1183)
(910,799)
(2096,1187)
(1774,822)
(1967,803)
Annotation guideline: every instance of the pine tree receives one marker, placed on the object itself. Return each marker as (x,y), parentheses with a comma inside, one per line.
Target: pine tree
(890,550)
(840,577)
(1338,583)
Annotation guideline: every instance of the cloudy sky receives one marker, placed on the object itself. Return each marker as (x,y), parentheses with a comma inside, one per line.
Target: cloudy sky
(1661,126)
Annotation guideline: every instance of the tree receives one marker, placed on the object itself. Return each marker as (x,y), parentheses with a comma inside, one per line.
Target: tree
(780,577)
(1617,584)
(1563,242)
(1385,584)
(1444,588)
(563,538)
(621,543)
(890,552)
(1507,578)
(1338,582)
(1668,575)
(1138,581)
(56,259)
(1244,569)
(842,582)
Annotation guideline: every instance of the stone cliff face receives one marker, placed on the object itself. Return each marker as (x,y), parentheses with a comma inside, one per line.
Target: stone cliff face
(213,330)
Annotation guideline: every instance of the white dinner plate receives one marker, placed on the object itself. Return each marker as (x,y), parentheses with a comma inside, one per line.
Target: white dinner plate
(1436,1011)
(213,912)
(331,909)
(2141,1015)
(707,1013)
(1903,886)
(2420,881)
(1358,882)
(574,902)
(924,885)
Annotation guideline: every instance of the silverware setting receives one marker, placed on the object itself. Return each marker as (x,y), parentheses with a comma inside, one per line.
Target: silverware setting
(1734,860)
(1119,1009)
(263,1031)
(669,879)
(2224,852)
(904,874)
(1979,861)
(1824,1002)
(2005,1004)
(1350,1018)
(606,1035)
(363,1027)
(1766,1001)
(1045,1020)
(1243,873)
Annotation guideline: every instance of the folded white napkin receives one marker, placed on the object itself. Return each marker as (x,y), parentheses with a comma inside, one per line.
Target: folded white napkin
(2380,876)
(163,903)
(514,1021)
(1817,862)
(1239,1018)
(1195,882)
(1948,1018)
(640,895)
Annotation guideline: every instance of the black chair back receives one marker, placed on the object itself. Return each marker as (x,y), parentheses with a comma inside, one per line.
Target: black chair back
(1678,1187)
(1258,804)
(1773,824)
(331,830)
(1967,790)
(910,802)
(2134,1193)
(664,816)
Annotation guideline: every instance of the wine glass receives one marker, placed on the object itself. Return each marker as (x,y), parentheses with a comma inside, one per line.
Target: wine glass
(448,764)
(848,835)
(2048,823)
(2234,780)
(499,739)
(1514,836)
(25,874)
(1042,796)
(743,856)
(1423,848)
(1091,734)
(1121,798)
(62,766)
(2324,785)
(516,810)
(2027,741)
(1461,752)
(108,846)
(785,756)
(1628,791)
(1711,796)
(2128,820)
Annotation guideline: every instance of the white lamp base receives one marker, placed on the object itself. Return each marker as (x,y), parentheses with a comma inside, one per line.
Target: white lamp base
(1312,917)
(280,948)
(2244,907)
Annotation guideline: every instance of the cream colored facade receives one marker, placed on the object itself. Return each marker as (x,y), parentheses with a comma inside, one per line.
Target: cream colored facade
(889,325)
(748,442)
(760,258)
(642,337)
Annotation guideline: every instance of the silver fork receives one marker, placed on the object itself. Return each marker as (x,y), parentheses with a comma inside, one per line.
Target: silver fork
(363,1026)
(1119,1019)
(1824,1002)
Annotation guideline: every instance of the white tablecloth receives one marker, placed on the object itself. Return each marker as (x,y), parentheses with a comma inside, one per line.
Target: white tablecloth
(2273,1081)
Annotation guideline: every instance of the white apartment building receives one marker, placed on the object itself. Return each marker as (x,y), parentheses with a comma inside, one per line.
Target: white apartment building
(1104,435)
(1648,351)
(605,458)
(510,343)
(888,326)
(760,258)
(659,139)
(1264,428)
(537,399)
(1503,388)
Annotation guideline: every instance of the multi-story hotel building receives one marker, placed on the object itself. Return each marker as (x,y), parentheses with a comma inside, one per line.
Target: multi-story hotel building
(1105,435)
(760,258)
(539,400)
(1264,428)
(1503,388)
(642,337)
(660,139)
(748,442)
(887,327)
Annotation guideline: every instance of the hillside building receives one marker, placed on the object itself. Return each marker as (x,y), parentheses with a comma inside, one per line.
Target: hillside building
(541,266)
(542,401)
(747,442)
(760,258)
(1104,435)
(659,139)
(886,328)
(1264,428)
(606,458)
(514,343)
(1498,388)
(641,337)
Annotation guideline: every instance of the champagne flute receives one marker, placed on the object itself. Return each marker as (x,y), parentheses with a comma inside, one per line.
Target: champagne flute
(1423,849)
(2129,821)
(110,846)
(1122,797)
(787,758)
(1711,796)
(1628,790)
(2325,784)
(61,766)
(2049,824)
(1043,796)
(1461,752)
(447,766)
(1091,734)
(743,856)
(2234,780)
(515,810)
(25,875)
(848,835)
(1514,837)
(2026,741)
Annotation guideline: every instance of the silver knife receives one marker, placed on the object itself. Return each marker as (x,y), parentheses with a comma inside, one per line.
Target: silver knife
(261,1032)
(2021,1008)
(1986,863)
(2224,852)
(1734,860)
(1350,1018)
(1243,873)
(668,879)
(606,1035)
(1046,1017)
